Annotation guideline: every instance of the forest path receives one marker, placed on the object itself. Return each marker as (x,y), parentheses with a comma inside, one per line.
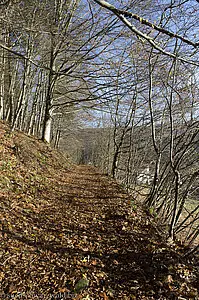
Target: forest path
(82,226)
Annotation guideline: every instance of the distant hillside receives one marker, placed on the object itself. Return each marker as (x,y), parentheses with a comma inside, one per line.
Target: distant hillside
(87,145)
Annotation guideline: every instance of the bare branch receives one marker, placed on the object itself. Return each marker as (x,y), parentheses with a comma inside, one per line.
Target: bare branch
(122,15)
(24,57)
(128,14)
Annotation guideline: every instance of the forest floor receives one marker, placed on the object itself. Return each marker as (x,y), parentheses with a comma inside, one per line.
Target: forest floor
(71,232)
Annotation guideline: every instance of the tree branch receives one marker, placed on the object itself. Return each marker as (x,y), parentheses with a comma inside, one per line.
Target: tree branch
(123,15)
(24,57)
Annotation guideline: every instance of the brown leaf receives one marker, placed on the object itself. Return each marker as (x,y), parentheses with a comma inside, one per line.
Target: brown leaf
(104,296)
(1,276)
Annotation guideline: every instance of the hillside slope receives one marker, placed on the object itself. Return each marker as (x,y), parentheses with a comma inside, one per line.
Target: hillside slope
(69,232)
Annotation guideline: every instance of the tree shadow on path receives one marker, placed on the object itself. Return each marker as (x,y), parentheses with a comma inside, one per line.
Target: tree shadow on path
(88,229)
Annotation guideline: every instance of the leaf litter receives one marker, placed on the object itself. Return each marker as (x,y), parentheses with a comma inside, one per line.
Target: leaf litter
(69,232)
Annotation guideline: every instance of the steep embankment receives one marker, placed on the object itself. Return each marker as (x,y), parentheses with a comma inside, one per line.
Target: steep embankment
(69,232)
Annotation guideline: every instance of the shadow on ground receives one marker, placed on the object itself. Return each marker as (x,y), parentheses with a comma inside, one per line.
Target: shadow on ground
(83,226)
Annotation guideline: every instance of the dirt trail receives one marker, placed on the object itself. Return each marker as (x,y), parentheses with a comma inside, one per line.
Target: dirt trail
(83,226)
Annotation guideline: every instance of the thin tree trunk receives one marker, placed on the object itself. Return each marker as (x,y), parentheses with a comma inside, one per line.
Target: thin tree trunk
(2,84)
